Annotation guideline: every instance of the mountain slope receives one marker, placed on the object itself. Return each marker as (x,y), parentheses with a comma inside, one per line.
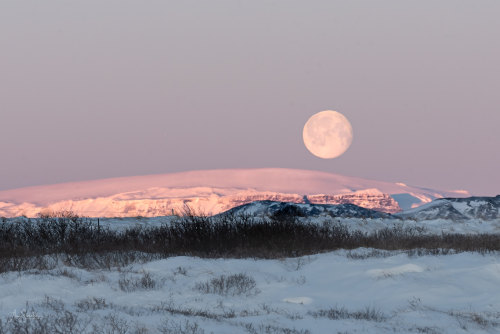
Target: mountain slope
(286,209)
(457,209)
(211,191)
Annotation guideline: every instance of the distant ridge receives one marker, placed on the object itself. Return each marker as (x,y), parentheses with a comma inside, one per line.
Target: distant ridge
(272,208)
(457,209)
(450,209)
(212,191)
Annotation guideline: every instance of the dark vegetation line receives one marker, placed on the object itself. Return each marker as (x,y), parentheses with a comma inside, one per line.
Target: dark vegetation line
(79,241)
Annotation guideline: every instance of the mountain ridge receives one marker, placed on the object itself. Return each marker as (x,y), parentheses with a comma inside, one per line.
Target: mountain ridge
(212,191)
(458,209)
(287,209)
(481,208)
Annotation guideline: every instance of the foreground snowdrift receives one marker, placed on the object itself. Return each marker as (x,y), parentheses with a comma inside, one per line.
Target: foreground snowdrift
(362,291)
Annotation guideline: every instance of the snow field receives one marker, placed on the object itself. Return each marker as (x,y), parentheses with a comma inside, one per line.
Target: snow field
(359,291)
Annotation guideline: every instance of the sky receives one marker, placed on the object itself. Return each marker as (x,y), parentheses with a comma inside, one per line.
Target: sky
(93,89)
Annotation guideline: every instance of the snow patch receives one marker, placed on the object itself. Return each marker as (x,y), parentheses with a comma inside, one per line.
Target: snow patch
(395,271)
(298,300)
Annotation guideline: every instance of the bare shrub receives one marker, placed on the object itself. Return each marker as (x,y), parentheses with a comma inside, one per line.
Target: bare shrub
(115,325)
(169,307)
(59,320)
(47,214)
(53,304)
(272,329)
(186,327)
(22,263)
(91,304)
(477,318)
(108,260)
(369,313)
(144,282)
(373,253)
(67,322)
(21,325)
(39,243)
(239,284)
(140,329)
(426,330)
(180,271)
(296,264)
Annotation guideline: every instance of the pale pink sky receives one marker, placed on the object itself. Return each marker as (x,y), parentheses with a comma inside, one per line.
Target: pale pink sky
(93,89)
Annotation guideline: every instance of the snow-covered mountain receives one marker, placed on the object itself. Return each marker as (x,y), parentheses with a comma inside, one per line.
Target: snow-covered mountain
(368,198)
(285,209)
(212,192)
(457,209)
(452,209)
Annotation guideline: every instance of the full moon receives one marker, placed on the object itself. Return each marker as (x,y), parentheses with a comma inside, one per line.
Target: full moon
(327,134)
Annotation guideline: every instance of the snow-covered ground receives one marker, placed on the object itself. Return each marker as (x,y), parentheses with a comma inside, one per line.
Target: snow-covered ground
(360,291)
